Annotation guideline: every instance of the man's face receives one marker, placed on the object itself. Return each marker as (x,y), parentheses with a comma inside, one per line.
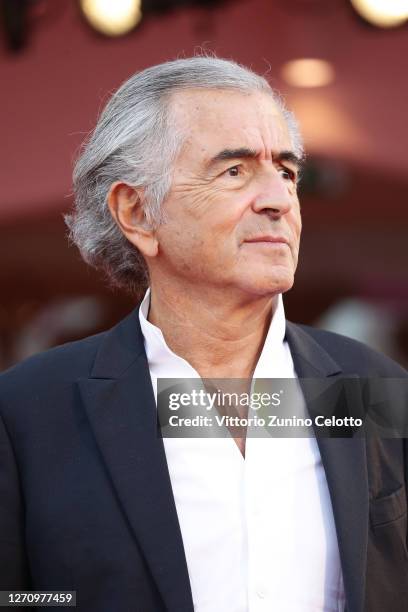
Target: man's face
(233,219)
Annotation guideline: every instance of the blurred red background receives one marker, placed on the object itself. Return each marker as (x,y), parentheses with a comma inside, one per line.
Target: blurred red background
(352,276)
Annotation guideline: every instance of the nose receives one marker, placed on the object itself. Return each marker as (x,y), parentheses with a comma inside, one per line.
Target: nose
(274,194)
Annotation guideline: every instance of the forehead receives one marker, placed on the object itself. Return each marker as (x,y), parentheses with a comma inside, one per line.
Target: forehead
(214,119)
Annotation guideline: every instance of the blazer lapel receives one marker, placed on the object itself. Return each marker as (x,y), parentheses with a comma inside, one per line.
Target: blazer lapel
(345,464)
(120,405)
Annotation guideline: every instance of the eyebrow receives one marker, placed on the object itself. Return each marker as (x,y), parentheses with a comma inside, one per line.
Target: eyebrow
(245,153)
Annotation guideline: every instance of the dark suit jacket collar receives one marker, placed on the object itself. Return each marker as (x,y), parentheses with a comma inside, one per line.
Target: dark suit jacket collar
(119,401)
(309,358)
(121,346)
(345,464)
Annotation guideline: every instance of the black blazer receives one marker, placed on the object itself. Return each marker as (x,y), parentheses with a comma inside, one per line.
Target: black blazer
(85,496)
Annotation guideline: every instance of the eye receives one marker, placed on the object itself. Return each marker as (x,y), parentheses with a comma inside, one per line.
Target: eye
(288,175)
(233,171)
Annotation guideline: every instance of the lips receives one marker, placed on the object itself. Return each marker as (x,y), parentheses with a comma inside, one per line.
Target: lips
(268,238)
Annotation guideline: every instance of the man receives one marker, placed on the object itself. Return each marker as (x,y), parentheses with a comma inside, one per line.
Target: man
(189,180)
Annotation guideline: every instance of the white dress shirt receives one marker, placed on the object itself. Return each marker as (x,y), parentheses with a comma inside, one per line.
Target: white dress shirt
(258,532)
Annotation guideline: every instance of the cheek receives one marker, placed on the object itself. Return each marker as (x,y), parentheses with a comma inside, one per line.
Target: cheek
(202,225)
(298,227)
(187,244)
(296,222)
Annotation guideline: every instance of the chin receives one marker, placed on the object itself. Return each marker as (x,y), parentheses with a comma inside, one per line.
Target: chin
(269,286)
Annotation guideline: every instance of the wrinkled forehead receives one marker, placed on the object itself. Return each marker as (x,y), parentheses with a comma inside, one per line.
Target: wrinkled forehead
(214,119)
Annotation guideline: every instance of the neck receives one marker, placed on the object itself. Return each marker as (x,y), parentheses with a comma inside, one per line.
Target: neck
(220,336)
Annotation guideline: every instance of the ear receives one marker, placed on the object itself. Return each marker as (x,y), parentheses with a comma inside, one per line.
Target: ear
(125,204)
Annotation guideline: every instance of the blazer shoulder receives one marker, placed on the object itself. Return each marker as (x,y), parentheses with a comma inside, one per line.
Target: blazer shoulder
(353,355)
(54,366)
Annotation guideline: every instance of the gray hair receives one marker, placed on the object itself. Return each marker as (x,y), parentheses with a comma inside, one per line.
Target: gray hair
(136,142)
